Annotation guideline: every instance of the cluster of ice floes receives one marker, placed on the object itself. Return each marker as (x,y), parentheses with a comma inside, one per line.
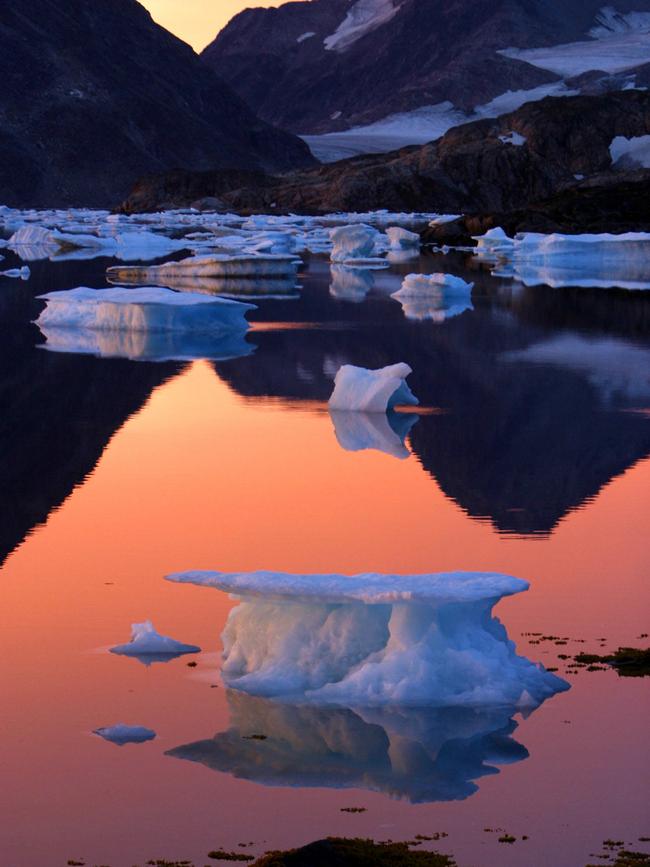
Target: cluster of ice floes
(434,296)
(557,260)
(375,640)
(149,646)
(122,734)
(419,754)
(357,389)
(150,323)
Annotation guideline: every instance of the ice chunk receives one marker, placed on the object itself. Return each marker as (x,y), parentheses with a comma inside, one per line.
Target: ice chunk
(383,432)
(122,734)
(218,265)
(350,284)
(150,308)
(416,285)
(418,754)
(434,296)
(630,152)
(375,640)
(494,241)
(402,239)
(17,273)
(357,241)
(361,390)
(149,646)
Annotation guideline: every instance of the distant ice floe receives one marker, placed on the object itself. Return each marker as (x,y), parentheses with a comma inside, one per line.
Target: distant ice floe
(513,138)
(33,242)
(421,755)
(383,432)
(494,244)
(122,734)
(600,261)
(375,640)
(149,646)
(358,389)
(149,323)
(434,296)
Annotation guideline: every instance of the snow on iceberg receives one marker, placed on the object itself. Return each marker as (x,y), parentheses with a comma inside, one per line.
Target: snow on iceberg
(358,389)
(149,308)
(419,754)
(375,640)
(383,432)
(122,734)
(216,265)
(402,239)
(357,241)
(149,646)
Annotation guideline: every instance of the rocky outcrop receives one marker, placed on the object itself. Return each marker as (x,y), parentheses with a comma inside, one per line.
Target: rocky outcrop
(289,65)
(532,154)
(94,95)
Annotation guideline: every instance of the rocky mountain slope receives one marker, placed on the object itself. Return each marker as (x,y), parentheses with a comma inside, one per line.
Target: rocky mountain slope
(321,66)
(520,158)
(95,94)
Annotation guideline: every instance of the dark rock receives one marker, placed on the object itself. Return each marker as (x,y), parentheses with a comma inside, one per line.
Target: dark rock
(341,852)
(94,95)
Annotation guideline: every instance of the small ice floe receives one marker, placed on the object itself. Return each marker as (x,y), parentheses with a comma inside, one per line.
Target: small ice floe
(218,265)
(402,239)
(383,432)
(122,734)
(17,273)
(434,296)
(358,389)
(150,308)
(350,284)
(374,640)
(149,646)
(353,242)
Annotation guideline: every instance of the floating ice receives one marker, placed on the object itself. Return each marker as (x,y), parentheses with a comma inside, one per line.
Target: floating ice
(494,242)
(150,308)
(383,432)
(361,390)
(434,296)
(149,646)
(375,640)
(402,239)
(17,273)
(353,242)
(416,285)
(218,265)
(122,734)
(419,754)
(32,242)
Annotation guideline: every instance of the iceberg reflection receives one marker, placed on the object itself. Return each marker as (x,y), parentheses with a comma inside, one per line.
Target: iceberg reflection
(418,754)
(383,432)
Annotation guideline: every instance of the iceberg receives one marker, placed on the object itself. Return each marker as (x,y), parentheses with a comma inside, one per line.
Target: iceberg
(122,734)
(383,432)
(17,273)
(358,389)
(434,296)
(422,755)
(217,265)
(402,239)
(149,646)
(493,244)
(149,308)
(356,241)
(375,640)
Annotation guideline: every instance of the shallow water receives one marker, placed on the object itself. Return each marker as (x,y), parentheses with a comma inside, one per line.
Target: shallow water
(531,457)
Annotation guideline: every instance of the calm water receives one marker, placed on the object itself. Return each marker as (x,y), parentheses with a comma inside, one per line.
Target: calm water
(532,457)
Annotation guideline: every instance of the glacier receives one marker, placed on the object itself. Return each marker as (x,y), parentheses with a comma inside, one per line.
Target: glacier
(149,646)
(375,640)
(358,389)
(420,755)
(122,734)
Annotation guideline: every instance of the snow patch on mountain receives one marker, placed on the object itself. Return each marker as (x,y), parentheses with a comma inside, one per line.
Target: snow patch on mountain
(362,18)
(631,152)
(616,53)
(610,21)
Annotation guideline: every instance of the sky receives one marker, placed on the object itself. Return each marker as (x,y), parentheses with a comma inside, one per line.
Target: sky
(199,21)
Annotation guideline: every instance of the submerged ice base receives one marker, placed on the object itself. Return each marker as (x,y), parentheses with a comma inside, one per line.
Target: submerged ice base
(375,640)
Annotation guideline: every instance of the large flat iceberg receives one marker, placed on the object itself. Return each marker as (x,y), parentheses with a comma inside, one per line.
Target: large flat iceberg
(375,640)
(358,389)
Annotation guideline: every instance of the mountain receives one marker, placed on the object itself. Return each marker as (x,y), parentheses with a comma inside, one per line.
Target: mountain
(95,94)
(327,66)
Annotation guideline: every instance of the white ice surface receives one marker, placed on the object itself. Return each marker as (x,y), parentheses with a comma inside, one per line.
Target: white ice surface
(421,640)
(363,17)
(418,285)
(357,389)
(148,308)
(122,734)
(401,239)
(145,641)
(353,242)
